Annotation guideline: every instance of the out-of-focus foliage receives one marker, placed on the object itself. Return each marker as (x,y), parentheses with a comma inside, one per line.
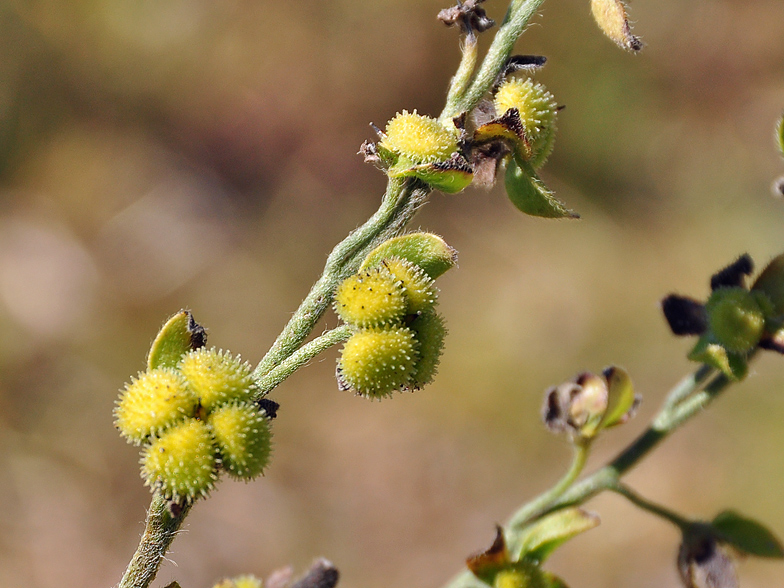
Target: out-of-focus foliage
(201,154)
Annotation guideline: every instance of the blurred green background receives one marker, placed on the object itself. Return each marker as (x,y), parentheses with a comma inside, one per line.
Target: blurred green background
(201,154)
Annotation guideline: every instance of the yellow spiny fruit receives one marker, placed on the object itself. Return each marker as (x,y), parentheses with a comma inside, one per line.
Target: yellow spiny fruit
(429,331)
(372,298)
(216,377)
(246,581)
(153,401)
(376,362)
(181,462)
(537,110)
(417,285)
(418,138)
(243,436)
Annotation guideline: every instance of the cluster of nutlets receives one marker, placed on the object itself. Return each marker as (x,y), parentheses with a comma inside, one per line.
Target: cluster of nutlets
(398,335)
(194,418)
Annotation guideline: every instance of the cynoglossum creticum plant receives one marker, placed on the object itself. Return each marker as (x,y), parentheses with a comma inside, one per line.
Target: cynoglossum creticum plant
(494,116)
(193,419)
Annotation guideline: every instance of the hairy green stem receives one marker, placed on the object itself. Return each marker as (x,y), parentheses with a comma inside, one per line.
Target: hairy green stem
(462,78)
(160,528)
(651,507)
(402,199)
(300,357)
(517,17)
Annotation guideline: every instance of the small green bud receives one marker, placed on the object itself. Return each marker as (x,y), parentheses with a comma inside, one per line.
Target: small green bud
(178,335)
(521,574)
(429,331)
(372,298)
(537,110)
(426,250)
(418,138)
(216,377)
(181,462)
(611,17)
(376,362)
(152,402)
(735,319)
(243,436)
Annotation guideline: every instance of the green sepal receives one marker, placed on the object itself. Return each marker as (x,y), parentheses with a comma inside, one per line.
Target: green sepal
(747,535)
(553,581)
(388,158)
(621,398)
(709,352)
(530,195)
(771,283)
(426,250)
(544,536)
(179,335)
(448,176)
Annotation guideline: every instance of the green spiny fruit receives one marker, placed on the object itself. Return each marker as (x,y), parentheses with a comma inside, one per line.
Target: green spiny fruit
(181,462)
(735,318)
(537,109)
(216,377)
(429,331)
(372,298)
(243,436)
(376,362)
(418,287)
(152,402)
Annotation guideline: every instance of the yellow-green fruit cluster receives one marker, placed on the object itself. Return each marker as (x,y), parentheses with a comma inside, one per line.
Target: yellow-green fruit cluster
(194,420)
(398,335)
(537,109)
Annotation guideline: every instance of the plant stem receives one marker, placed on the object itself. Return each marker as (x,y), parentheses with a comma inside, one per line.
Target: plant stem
(462,77)
(651,507)
(531,511)
(517,17)
(300,357)
(160,528)
(401,201)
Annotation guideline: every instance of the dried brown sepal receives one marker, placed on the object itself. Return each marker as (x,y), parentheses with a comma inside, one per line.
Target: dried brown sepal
(486,160)
(685,316)
(705,563)
(734,275)
(774,342)
(486,563)
(507,127)
(526,63)
(468,15)
(322,574)
(270,407)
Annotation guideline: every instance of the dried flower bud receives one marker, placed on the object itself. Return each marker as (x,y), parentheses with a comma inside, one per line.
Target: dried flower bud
(611,17)
(703,562)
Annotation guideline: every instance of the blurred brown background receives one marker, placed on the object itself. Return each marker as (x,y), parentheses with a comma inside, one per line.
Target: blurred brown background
(201,154)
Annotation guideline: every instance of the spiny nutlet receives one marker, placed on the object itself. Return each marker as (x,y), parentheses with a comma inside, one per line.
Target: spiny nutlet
(152,402)
(244,439)
(216,377)
(736,318)
(376,362)
(419,289)
(244,581)
(181,462)
(537,109)
(419,138)
(429,331)
(371,298)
